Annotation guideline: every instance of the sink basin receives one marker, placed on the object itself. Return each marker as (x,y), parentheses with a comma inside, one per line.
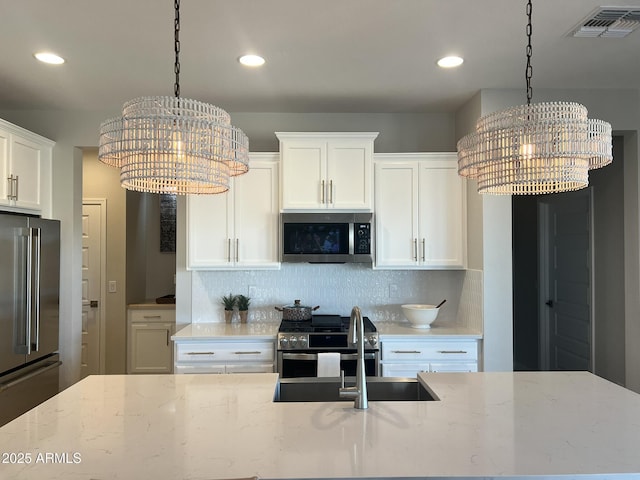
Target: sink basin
(379,389)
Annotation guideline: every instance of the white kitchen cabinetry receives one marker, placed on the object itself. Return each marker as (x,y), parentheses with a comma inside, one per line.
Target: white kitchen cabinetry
(420,205)
(225,356)
(407,358)
(25,165)
(326,170)
(237,229)
(149,348)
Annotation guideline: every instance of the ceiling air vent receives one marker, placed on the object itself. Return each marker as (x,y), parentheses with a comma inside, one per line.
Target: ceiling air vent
(608,22)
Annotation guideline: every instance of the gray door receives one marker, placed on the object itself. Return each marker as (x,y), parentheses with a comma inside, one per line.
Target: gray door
(566,326)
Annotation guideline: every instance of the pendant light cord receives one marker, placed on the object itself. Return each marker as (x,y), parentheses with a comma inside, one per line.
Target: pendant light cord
(529,70)
(176,48)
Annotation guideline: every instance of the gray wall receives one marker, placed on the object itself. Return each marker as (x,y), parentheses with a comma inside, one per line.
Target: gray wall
(608,239)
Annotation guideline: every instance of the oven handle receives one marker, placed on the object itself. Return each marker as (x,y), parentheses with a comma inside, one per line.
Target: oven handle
(314,356)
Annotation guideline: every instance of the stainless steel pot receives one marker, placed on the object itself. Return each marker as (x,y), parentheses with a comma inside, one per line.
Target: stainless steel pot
(296,311)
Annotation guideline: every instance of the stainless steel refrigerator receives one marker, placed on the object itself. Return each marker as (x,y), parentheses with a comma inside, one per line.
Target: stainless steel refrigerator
(29,312)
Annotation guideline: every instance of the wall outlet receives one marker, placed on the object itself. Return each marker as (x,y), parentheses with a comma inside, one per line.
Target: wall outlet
(113,288)
(393,290)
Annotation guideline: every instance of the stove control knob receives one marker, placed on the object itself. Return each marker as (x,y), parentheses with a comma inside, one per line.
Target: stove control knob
(284,342)
(293,340)
(373,340)
(303,341)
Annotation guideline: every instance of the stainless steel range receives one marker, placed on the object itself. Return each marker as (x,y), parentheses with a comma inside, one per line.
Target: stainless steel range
(299,343)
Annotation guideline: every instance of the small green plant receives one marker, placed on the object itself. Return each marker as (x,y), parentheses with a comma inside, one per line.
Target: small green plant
(243,302)
(229,301)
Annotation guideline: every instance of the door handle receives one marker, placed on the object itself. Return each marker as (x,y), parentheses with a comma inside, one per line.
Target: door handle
(35,240)
(549,303)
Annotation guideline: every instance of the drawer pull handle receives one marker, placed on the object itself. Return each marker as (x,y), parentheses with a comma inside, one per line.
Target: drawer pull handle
(406,351)
(257,352)
(452,351)
(152,316)
(201,353)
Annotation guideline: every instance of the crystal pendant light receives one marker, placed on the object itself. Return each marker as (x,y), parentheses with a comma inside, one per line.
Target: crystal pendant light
(534,148)
(174,145)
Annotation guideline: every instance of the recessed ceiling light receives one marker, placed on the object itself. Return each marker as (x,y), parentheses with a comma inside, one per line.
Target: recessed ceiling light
(450,62)
(48,57)
(251,60)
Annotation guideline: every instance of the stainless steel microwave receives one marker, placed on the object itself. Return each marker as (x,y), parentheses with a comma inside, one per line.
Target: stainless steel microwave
(327,237)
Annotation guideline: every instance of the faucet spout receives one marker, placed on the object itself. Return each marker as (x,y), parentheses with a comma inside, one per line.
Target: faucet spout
(356,335)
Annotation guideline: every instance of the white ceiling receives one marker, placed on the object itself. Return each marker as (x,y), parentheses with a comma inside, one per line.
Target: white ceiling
(322,55)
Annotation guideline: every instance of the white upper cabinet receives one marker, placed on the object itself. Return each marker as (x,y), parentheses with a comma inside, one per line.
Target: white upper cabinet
(420,211)
(324,170)
(25,165)
(237,229)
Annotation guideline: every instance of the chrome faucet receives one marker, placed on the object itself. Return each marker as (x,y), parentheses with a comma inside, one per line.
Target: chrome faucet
(356,335)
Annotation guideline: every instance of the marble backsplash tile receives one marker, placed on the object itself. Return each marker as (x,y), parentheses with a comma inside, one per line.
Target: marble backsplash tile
(336,289)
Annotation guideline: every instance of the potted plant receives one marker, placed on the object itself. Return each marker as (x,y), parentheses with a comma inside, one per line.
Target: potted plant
(243,303)
(229,301)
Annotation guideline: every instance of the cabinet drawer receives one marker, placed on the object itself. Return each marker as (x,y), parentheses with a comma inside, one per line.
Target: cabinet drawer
(152,315)
(199,368)
(225,352)
(250,368)
(436,350)
(454,367)
(403,369)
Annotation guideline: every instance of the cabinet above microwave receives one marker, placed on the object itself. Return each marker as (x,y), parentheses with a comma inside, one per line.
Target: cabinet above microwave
(326,171)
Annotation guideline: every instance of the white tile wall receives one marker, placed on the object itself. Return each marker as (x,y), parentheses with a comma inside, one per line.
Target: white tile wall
(336,289)
(470,309)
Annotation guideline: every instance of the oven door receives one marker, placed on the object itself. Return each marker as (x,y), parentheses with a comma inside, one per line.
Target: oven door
(305,363)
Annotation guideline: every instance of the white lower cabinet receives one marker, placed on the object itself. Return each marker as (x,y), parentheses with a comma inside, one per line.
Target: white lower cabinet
(225,356)
(149,348)
(408,357)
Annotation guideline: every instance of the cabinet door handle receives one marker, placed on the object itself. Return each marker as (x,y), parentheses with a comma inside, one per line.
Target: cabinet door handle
(167,338)
(10,187)
(415,249)
(330,191)
(322,192)
(200,353)
(423,249)
(452,351)
(237,250)
(15,195)
(228,250)
(406,351)
(257,352)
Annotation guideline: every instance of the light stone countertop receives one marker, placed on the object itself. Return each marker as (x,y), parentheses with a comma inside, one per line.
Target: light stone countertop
(269,330)
(227,331)
(198,427)
(392,330)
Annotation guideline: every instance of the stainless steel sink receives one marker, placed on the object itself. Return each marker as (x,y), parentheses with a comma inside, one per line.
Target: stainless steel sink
(380,389)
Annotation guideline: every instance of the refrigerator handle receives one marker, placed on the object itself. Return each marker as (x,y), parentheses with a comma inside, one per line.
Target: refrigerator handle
(35,246)
(22,297)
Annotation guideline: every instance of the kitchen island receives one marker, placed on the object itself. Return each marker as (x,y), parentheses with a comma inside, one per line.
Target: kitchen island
(502,425)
